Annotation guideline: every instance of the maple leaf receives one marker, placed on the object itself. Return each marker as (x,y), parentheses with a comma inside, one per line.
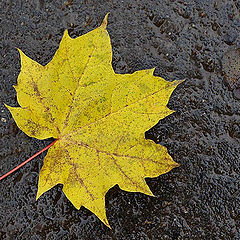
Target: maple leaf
(99,118)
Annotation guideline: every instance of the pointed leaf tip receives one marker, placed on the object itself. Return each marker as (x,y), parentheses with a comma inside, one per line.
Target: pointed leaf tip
(104,22)
(20,52)
(180,81)
(105,221)
(38,195)
(177,165)
(150,194)
(65,34)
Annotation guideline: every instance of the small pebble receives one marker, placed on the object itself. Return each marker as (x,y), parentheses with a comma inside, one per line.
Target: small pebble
(4,120)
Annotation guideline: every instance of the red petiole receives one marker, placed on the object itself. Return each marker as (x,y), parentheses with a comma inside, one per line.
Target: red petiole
(28,160)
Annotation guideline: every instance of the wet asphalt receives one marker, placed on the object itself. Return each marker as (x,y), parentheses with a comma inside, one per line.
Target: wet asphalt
(196,40)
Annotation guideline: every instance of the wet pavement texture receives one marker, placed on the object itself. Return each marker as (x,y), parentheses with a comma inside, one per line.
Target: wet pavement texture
(193,40)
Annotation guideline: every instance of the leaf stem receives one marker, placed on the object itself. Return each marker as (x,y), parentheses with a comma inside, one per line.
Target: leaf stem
(28,160)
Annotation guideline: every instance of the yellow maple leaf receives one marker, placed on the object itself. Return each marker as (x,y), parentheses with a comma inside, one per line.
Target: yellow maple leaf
(99,118)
